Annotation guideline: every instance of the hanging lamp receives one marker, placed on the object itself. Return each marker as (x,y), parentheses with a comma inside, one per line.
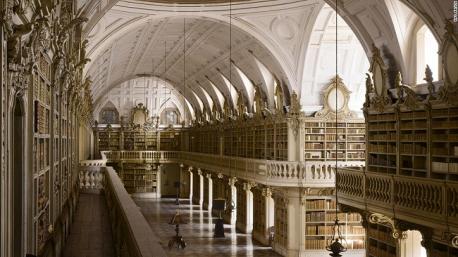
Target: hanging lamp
(336,244)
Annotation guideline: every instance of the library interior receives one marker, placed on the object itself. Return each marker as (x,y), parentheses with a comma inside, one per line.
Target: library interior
(253,128)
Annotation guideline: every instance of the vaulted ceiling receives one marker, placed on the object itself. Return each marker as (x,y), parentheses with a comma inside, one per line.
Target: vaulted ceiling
(128,38)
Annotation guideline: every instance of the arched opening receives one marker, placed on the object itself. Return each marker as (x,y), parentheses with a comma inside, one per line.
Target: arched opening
(427,54)
(411,245)
(18,175)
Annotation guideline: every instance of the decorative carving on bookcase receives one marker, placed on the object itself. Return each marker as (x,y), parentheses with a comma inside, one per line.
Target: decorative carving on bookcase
(377,218)
(329,111)
(279,100)
(139,115)
(454,240)
(449,52)
(429,81)
(377,97)
(295,108)
(406,95)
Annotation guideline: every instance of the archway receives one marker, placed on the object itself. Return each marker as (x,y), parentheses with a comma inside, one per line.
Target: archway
(18,181)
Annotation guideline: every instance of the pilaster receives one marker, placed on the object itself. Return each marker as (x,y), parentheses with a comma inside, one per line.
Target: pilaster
(291,242)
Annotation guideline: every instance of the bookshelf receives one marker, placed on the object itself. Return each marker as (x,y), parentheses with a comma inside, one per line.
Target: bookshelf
(140,178)
(136,139)
(320,140)
(380,242)
(259,211)
(335,131)
(320,214)
(42,148)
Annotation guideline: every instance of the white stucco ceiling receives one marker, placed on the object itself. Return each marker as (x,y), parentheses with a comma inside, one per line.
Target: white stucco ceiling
(127,38)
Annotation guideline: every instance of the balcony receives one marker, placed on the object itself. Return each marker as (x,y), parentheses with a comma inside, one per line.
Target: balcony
(430,202)
(268,172)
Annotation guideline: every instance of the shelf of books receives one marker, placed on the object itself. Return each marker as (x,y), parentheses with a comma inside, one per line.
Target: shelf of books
(421,142)
(42,94)
(320,215)
(322,144)
(117,138)
(442,250)
(169,140)
(259,211)
(380,241)
(382,142)
(140,178)
(281,222)
(444,142)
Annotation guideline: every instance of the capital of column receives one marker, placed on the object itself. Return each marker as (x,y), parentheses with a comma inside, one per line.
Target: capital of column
(220,175)
(190,169)
(181,165)
(267,192)
(208,175)
(199,171)
(232,181)
(249,185)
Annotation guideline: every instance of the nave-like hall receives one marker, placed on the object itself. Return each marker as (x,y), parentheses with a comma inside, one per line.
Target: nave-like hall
(251,128)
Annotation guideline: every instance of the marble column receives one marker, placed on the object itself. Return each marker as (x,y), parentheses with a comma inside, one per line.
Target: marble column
(191,184)
(209,197)
(230,215)
(245,217)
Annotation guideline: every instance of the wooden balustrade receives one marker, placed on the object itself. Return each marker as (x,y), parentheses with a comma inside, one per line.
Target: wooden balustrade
(433,201)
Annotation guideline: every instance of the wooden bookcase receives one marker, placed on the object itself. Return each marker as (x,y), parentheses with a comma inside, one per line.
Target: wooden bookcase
(42,149)
(380,241)
(320,214)
(120,138)
(320,140)
(139,178)
(335,131)
(415,142)
(253,138)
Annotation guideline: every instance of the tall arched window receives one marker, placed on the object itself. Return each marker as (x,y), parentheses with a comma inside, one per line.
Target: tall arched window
(427,54)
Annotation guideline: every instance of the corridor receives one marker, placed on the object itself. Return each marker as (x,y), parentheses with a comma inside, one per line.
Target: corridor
(198,233)
(90,234)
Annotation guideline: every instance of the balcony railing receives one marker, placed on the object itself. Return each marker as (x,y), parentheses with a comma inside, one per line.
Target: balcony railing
(132,234)
(425,200)
(269,172)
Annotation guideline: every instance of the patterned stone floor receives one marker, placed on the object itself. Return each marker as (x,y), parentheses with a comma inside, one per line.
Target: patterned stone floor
(90,234)
(198,233)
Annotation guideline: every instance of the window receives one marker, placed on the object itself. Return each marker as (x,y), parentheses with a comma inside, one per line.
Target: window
(427,54)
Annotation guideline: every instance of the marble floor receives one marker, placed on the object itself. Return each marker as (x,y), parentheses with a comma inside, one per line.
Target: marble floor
(90,234)
(198,233)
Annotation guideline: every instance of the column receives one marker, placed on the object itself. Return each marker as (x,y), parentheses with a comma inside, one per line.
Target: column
(158,181)
(245,207)
(230,216)
(191,184)
(210,192)
(289,222)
